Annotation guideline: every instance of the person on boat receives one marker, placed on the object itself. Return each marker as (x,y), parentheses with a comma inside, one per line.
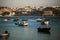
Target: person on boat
(6,32)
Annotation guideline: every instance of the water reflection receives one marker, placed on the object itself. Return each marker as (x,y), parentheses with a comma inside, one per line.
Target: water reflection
(4,38)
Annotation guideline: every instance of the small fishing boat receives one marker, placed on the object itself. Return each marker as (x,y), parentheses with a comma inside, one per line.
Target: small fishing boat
(4,35)
(44,27)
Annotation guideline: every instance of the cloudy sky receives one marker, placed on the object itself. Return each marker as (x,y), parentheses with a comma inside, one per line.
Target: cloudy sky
(18,3)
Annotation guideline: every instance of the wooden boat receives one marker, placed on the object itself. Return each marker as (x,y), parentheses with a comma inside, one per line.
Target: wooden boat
(4,35)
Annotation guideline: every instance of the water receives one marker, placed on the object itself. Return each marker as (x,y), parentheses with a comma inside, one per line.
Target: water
(30,32)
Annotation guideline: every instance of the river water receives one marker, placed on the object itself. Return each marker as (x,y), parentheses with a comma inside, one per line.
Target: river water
(30,32)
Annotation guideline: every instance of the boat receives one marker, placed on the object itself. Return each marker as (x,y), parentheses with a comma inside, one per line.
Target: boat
(4,35)
(45,30)
(5,19)
(24,23)
(17,23)
(15,19)
(39,19)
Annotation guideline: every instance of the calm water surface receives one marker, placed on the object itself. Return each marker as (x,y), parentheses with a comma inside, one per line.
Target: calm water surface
(30,32)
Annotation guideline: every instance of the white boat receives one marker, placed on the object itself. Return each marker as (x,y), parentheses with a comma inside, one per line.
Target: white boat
(5,19)
(39,19)
(24,23)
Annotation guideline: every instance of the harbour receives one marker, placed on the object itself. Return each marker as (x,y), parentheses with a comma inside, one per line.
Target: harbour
(30,32)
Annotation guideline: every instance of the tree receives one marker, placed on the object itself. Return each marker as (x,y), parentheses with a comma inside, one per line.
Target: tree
(5,13)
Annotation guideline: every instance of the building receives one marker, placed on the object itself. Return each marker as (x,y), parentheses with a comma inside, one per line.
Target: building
(48,11)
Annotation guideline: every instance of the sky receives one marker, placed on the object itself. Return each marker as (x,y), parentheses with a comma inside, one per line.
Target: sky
(22,3)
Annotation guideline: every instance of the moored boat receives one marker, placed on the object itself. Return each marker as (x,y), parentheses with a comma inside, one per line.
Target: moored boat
(5,19)
(39,19)
(24,23)
(15,19)
(5,34)
(46,30)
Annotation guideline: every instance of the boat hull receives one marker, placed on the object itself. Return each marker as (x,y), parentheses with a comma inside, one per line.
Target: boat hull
(43,30)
